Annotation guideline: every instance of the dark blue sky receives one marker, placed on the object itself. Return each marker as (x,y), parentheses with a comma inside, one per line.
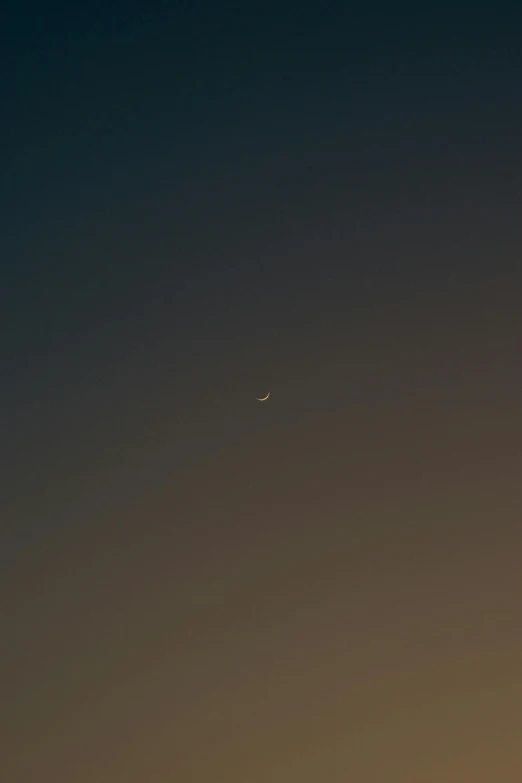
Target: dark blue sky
(167,164)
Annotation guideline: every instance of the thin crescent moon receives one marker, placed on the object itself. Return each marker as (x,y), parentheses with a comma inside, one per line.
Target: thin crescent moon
(262,399)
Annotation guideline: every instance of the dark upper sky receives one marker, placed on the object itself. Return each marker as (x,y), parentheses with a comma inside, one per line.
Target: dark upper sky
(200,204)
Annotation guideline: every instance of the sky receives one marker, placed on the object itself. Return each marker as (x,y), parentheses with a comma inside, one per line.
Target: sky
(200,205)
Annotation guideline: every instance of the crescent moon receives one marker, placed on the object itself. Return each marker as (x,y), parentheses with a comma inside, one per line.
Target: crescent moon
(262,399)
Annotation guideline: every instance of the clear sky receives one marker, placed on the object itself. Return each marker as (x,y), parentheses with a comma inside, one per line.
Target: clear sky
(199,205)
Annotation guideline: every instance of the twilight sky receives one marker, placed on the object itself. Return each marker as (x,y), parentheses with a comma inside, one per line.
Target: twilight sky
(199,205)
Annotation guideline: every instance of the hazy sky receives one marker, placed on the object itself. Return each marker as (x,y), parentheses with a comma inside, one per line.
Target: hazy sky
(200,205)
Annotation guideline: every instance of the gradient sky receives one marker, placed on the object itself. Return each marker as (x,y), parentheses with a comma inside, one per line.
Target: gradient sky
(200,205)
